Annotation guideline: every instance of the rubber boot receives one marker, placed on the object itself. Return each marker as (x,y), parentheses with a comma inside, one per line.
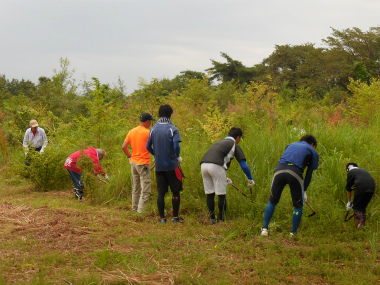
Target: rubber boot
(359,219)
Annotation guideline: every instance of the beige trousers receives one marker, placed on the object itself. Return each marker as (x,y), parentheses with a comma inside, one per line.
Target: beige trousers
(141,186)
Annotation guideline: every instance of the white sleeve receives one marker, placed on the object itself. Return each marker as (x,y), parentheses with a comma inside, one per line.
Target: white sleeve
(25,143)
(44,138)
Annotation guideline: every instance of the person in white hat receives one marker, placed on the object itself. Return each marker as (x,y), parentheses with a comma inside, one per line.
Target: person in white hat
(34,139)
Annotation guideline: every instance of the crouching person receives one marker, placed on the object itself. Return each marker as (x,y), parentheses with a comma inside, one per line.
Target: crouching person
(75,172)
(359,180)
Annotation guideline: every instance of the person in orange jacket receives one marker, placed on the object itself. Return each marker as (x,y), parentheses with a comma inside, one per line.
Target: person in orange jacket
(140,162)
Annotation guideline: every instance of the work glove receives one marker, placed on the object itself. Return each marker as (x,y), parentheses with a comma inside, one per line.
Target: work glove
(229,181)
(106,177)
(179,159)
(304,196)
(349,205)
(251,183)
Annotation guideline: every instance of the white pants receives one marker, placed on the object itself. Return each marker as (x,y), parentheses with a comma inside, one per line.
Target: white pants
(214,178)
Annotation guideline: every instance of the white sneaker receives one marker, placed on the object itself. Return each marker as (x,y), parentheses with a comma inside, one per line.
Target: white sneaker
(292,234)
(264,232)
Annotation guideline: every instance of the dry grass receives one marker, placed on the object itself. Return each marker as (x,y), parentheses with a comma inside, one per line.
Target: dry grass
(50,238)
(70,232)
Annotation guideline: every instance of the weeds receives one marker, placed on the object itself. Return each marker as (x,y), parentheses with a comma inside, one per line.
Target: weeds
(48,237)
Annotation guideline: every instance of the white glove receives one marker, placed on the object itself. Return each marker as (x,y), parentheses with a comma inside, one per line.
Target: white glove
(349,205)
(251,183)
(304,196)
(179,159)
(106,177)
(229,181)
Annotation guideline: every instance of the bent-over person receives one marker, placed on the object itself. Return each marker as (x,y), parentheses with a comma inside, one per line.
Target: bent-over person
(76,173)
(362,183)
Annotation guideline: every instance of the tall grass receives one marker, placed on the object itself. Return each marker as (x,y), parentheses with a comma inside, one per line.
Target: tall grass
(269,125)
(119,247)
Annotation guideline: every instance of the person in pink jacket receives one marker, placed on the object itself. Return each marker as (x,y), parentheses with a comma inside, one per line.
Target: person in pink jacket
(75,172)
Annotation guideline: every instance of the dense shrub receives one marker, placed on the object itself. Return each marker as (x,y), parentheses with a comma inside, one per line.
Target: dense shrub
(45,170)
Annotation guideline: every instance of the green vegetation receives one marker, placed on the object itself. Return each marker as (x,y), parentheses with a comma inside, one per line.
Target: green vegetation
(50,238)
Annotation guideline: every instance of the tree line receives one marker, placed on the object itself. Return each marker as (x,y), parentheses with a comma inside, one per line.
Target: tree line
(293,72)
(349,53)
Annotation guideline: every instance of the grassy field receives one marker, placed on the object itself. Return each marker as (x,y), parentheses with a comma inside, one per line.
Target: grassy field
(47,237)
(50,238)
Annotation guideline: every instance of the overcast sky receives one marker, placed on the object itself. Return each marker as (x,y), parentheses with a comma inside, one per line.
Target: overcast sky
(132,39)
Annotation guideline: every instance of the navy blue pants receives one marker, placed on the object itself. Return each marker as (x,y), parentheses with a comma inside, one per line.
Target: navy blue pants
(77,179)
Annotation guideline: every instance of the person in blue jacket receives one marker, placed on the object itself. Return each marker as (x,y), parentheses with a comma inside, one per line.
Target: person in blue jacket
(163,143)
(296,157)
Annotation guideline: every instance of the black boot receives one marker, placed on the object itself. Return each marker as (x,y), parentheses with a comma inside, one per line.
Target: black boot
(359,219)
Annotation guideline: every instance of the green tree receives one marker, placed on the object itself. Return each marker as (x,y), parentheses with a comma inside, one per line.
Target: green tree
(304,66)
(149,96)
(59,93)
(25,87)
(299,66)
(224,94)
(118,94)
(180,81)
(364,103)
(190,74)
(196,92)
(4,92)
(231,70)
(361,50)
(104,117)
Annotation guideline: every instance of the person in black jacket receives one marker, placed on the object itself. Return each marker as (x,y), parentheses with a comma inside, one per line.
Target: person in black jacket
(359,180)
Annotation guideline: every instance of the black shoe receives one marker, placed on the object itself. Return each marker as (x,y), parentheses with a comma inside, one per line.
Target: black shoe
(177,220)
(212,222)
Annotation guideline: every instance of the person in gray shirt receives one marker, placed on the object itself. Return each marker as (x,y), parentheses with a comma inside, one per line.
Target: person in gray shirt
(214,166)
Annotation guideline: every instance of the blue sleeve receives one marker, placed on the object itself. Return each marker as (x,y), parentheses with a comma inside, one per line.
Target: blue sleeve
(149,146)
(307,180)
(177,148)
(315,159)
(176,135)
(245,168)
(309,172)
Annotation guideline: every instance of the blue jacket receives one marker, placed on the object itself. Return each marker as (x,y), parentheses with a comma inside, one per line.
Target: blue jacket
(302,155)
(163,143)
